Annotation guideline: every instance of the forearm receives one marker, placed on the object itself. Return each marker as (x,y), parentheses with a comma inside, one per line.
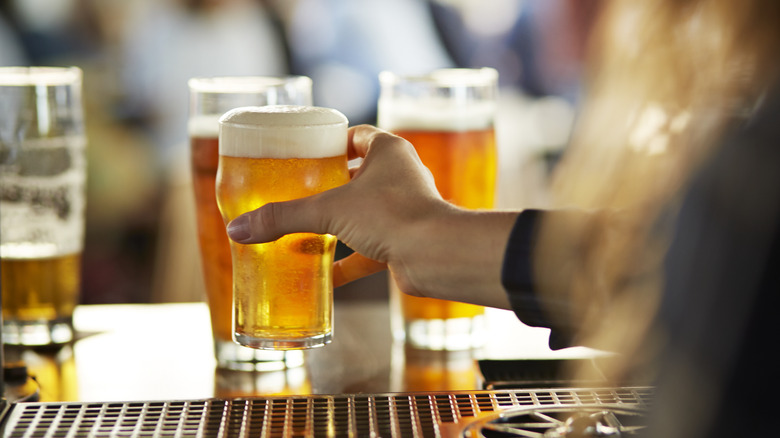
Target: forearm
(457,255)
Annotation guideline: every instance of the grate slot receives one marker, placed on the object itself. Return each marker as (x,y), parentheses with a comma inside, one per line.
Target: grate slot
(372,415)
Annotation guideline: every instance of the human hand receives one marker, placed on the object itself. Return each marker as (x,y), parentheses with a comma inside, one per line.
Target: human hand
(391,215)
(388,192)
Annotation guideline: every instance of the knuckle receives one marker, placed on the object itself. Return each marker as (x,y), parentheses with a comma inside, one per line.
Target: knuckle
(269,218)
(389,138)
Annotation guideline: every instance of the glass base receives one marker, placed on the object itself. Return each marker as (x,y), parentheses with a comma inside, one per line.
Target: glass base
(231,356)
(38,333)
(283,344)
(443,334)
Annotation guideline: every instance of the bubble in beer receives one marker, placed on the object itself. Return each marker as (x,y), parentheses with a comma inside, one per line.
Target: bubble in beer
(283,131)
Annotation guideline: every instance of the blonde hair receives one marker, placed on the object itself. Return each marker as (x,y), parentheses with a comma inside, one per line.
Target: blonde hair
(665,79)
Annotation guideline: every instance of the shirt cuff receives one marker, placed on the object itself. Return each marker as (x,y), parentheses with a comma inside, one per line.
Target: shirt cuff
(518,279)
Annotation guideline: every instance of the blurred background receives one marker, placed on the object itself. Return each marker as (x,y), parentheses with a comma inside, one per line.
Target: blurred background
(138,54)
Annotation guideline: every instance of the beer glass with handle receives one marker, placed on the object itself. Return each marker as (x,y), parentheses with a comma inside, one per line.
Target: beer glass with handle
(282,290)
(42,202)
(448,116)
(210,98)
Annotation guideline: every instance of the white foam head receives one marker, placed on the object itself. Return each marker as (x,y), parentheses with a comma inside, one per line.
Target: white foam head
(206,125)
(434,114)
(445,99)
(283,131)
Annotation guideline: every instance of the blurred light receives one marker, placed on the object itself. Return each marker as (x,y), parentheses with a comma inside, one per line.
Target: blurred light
(42,15)
(345,88)
(311,34)
(502,58)
(651,133)
(493,18)
(554,119)
(680,122)
(625,30)
(414,50)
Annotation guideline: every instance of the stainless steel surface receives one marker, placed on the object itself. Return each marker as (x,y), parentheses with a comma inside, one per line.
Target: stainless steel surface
(415,414)
(620,420)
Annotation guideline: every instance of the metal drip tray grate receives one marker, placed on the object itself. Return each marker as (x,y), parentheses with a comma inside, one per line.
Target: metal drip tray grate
(560,422)
(437,414)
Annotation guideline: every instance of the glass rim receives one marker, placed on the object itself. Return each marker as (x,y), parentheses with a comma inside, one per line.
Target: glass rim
(243,84)
(445,77)
(39,75)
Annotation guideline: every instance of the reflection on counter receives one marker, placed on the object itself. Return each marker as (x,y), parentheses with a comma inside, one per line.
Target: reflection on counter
(44,375)
(237,384)
(428,370)
(165,352)
(49,375)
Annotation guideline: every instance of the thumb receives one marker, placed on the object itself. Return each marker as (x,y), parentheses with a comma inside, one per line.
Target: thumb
(275,219)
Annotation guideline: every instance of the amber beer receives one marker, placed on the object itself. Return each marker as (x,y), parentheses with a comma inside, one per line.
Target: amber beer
(215,250)
(210,98)
(448,117)
(42,202)
(463,165)
(282,290)
(40,289)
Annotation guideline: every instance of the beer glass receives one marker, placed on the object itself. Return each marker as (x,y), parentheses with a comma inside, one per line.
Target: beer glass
(448,116)
(42,202)
(282,290)
(210,98)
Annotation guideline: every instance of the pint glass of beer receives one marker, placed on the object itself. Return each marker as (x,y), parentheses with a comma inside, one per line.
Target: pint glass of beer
(448,116)
(282,290)
(210,98)
(42,202)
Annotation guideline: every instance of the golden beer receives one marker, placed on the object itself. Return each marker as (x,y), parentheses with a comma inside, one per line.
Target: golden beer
(282,290)
(448,116)
(42,202)
(210,98)
(464,166)
(214,247)
(45,289)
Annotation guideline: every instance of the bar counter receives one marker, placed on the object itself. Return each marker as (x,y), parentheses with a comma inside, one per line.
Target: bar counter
(164,352)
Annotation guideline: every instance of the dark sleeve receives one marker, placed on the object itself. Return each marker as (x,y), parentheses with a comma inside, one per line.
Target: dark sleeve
(517,279)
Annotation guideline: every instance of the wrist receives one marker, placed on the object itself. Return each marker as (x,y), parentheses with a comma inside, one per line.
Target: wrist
(457,254)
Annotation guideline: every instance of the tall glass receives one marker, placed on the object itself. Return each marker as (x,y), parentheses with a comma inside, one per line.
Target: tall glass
(282,290)
(448,116)
(42,202)
(210,98)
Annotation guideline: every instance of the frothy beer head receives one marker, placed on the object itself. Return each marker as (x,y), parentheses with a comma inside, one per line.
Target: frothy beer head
(443,100)
(206,126)
(283,131)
